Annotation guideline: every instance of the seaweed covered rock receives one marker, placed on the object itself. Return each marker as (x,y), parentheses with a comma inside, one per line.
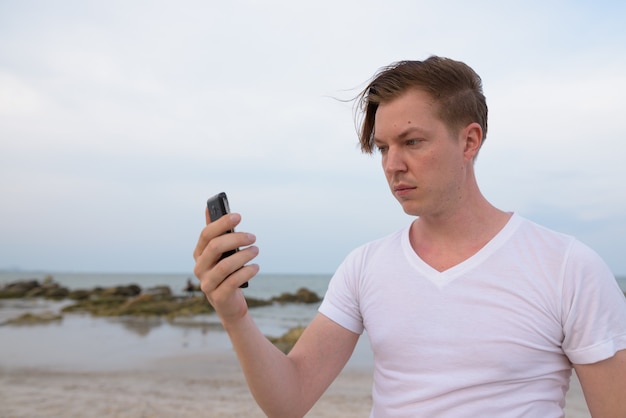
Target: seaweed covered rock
(145,304)
(255,303)
(18,289)
(55,291)
(33,319)
(79,294)
(155,305)
(303,295)
(162,291)
(126,291)
(97,305)
(286,341)
(32,288)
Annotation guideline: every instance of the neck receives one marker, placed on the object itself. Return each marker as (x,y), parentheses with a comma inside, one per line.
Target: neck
(448,238)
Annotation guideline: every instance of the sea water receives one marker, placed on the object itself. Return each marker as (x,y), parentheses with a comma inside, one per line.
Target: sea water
(273,319)
(83,342)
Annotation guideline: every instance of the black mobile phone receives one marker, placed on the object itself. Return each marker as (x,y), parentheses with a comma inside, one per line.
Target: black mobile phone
(218,207)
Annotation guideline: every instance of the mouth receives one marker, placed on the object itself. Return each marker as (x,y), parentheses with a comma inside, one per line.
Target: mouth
(401,190)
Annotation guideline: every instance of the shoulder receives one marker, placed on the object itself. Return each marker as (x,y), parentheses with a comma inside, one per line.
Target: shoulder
(382,245)
(373,255)
(578,268)
(550,241)
(548,236)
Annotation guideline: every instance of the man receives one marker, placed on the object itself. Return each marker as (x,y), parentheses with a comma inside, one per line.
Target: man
(470,310)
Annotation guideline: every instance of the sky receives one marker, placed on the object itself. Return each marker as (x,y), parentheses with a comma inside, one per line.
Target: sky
(119,118)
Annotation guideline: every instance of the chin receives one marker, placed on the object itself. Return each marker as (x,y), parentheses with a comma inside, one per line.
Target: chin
(410,209)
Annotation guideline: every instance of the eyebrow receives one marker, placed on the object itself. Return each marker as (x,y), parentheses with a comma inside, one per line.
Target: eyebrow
(405,133)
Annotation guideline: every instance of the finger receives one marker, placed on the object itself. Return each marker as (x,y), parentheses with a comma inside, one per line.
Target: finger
(228,265)
(215,229)
(228,243)
(212,278)
(234,270)
(209,257)
(203,240)
(239,277)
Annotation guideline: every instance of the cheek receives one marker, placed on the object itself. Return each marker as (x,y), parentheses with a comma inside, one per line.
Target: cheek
(384,165)
(431,163)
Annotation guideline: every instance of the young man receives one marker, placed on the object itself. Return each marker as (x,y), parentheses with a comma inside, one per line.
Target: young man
(471,311)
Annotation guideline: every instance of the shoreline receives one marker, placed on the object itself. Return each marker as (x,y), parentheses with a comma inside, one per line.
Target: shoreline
(40,393)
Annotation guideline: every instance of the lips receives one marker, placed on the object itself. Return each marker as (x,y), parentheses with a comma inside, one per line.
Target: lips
(402,189)
(402,186)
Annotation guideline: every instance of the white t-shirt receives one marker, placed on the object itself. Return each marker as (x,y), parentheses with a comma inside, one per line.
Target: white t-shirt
(493,336)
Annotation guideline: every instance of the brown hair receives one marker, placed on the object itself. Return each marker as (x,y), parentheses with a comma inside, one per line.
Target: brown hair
(454,86)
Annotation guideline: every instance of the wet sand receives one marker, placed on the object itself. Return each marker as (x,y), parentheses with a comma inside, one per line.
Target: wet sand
(184,386)
(209,386)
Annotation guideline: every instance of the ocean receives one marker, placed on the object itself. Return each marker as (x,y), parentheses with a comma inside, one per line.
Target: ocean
(273,320)
(83,342)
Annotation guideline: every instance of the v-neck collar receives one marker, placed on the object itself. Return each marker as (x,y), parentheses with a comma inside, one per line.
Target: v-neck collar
(444,277)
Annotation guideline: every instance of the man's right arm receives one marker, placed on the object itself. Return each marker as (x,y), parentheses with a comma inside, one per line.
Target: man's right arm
(283,385)
(289,385)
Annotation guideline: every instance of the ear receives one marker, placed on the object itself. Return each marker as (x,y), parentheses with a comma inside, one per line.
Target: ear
(472,136)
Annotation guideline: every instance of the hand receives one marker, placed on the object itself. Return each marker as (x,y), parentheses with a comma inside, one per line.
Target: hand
(220,279)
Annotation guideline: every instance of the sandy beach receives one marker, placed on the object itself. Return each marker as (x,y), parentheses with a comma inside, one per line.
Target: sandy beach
(184,386)
(193,386)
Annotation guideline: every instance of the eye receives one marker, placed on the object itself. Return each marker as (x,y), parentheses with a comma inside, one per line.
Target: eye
(382,148)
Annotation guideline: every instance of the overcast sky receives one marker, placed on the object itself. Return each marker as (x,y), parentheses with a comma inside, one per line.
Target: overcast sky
(119,118)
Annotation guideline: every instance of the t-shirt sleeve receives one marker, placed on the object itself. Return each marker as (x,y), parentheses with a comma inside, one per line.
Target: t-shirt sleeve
(341,303)
(594,308)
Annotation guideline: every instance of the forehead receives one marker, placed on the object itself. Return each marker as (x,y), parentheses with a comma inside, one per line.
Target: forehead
(415,109)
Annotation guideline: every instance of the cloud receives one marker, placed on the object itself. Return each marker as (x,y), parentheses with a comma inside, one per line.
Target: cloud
(118,120)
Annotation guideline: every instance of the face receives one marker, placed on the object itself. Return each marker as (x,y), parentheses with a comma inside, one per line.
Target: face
(425,163)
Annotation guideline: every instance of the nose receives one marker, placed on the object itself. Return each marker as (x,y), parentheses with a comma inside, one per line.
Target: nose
(394,161)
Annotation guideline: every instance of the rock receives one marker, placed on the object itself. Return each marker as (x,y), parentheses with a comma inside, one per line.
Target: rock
(154,305)
(126,291)
(163,291)
(18,289)
(286,341)
(50,290)
(149,304)
(137,305)
(31,319)
(303,295)
(190,306)
(79,294)
(32,288)
(36,292)
(11,293)
(254,302)
(56,292)
(97,304)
